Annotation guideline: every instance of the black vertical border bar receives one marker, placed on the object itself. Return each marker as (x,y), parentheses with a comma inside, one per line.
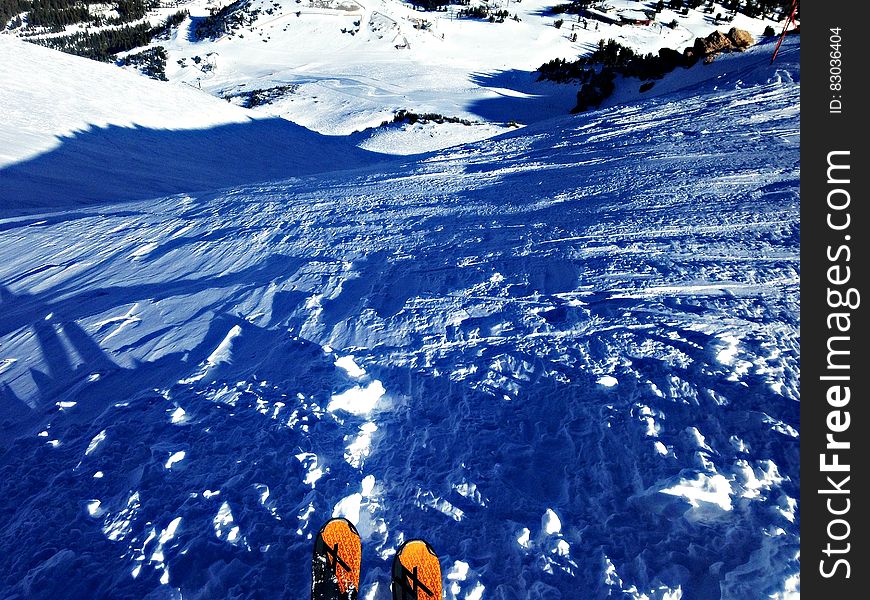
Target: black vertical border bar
(823,130)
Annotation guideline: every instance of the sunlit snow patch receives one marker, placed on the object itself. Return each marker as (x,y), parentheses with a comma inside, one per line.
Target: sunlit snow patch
(178,416)
(165,537)
(374,592)
(368,486)
(143,251)
(757,480)
(780,427)
(550,523)
(95,443)
(117,527)
(348,507)
(714,490)
(470,492)
(265,494)
(6,363)
(728,353)
(360,401)
(476,593)
(456,575)
(175,458)
(660,592)
(309,461)
(93,507)
(225,527)
(304,518)
(224,352)
(221,355)
(349,366)
(158,558)
(524,538)
(361,445)
(661,448)
(647,415)
(787,506)
(607,381)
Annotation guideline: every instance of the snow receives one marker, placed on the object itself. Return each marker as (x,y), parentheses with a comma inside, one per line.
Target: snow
(95,443)
(350,76)
(94,508)
(178,416)
(704,489)
(360,446)
(350,367)
(118,136)
(524,538)
(476,593)
(348,507)
(119,526)
(638,241)
(458,572)
(315,472)
(368,486)
(661,448)
(358,400)
(361,62)
(607,381)
(175,458)
(225,527)
(550,523)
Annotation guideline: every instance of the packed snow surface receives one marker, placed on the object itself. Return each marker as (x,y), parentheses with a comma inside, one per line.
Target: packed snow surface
(580,350)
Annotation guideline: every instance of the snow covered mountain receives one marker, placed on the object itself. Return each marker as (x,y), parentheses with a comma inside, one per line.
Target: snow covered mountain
(341,67)
(568,355)
(78,131)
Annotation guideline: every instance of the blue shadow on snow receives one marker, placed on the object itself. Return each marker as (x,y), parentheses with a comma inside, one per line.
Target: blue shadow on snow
(111,164)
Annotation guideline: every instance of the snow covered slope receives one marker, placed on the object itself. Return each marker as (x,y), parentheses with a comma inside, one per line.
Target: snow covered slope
(76,131)
(346,65)
(567,356)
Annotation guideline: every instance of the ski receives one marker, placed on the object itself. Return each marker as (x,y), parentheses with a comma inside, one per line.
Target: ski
(335,565)
(416,572)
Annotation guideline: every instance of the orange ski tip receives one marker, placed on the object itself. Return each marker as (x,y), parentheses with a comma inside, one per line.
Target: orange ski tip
(339,526)
(341,536)
(422,570)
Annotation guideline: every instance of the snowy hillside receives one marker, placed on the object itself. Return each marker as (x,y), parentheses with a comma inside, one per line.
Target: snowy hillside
(341,66)
(345,66)
(76,131)
(567,356)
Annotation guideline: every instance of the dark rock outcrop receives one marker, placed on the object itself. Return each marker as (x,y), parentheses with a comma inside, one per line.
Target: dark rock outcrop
(597,86)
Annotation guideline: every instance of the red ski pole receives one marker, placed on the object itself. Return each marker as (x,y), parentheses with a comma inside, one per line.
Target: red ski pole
(790,19)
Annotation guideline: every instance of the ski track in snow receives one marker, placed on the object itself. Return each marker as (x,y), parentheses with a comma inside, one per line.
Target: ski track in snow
(574,367)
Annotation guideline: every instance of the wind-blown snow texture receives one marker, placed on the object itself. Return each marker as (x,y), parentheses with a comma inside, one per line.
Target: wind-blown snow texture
(567,356)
